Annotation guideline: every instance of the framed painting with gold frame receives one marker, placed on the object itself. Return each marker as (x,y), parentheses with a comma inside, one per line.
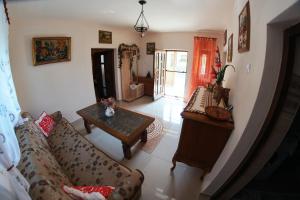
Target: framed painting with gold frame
(230,48)
(150,48)
(105,37)
(225,38)
(244,29)
(47,50)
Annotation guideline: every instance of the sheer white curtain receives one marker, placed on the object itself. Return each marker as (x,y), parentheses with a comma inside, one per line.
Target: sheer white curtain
(9,117)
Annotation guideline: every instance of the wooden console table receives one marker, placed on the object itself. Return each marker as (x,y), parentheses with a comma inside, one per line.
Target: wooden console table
(201,141)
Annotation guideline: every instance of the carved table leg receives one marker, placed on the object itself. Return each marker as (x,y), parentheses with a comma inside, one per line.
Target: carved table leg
(144,136)
(126,150)
(87,126)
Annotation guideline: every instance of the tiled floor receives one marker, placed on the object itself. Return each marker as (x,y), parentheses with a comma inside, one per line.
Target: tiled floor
(184,182)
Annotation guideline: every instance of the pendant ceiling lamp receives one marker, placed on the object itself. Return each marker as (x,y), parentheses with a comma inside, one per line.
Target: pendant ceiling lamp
(141,24)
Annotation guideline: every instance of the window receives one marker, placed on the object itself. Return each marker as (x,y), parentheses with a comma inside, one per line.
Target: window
(176,61)
(103,74)
(203,64)
(176,73)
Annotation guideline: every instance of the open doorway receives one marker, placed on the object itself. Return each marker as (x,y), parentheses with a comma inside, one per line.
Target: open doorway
(175,73)
(103,73)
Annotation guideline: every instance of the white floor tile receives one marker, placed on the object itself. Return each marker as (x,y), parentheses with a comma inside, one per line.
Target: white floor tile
(160,184)
(166,148)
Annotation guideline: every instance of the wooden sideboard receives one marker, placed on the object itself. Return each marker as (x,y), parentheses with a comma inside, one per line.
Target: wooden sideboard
(201,141)
(148,85)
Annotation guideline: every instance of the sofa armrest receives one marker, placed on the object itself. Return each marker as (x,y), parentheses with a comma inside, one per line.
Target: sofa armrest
(57,116)
(27,115)
(128,187)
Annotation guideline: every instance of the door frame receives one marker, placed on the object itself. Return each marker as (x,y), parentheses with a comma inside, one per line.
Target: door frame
(154,63)
(186,70)
(99,50)
(264,141)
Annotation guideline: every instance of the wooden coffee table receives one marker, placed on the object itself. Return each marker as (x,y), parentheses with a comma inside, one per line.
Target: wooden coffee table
(126,125)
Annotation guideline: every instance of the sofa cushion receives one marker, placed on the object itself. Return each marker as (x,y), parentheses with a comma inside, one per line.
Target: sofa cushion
(29,135)
(45,123)
(38,165)
(89,192)
(84,164)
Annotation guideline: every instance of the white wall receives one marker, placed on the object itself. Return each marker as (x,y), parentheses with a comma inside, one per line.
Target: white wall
(66,86)
(174,41)
(250,95)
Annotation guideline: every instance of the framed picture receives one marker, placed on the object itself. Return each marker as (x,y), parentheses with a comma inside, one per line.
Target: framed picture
(244,29)
(150,48)
(230,48)
(105,37)
(47,50)
(225,38)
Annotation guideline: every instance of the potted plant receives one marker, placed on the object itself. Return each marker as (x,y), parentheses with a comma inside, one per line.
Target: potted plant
(221,73)
(218,91)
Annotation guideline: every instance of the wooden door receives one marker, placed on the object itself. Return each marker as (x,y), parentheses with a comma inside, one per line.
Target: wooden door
(160,59)
(103,73)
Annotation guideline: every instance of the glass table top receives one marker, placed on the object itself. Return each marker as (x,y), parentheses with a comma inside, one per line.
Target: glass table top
(123,121)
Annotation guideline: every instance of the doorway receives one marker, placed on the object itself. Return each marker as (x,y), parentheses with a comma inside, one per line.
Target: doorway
(159,72)
(103,73)
(176,73)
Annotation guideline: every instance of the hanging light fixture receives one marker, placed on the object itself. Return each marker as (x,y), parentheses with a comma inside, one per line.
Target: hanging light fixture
(141,24)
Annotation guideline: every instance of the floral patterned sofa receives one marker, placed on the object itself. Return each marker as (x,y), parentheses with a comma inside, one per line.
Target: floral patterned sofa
(67,158)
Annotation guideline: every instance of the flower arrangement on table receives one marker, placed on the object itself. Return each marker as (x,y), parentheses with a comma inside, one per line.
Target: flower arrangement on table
(219,70)
(109,102)
(110,105)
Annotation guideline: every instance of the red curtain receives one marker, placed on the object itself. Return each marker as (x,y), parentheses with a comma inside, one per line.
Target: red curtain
(203,61)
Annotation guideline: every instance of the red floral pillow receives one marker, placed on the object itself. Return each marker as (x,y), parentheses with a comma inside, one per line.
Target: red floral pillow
(45,123)
(88,192)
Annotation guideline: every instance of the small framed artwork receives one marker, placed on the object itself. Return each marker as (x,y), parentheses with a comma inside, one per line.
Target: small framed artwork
(230,48)
(225,38)
(105,37)
(150,48)
(47,50)
(244,29)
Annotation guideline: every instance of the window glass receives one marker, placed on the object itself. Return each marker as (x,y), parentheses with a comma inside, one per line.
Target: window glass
(103,75)
(171,60)
(102,58)
(181,61)
(203,64)
(176,61)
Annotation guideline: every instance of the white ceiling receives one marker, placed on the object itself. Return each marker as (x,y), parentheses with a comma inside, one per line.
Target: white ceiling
(162,15)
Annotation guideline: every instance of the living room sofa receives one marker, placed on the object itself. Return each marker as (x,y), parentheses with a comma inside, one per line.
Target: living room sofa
(68,158)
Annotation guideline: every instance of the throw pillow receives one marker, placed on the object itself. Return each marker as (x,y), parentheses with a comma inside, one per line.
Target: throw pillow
(45,123)
(88,192)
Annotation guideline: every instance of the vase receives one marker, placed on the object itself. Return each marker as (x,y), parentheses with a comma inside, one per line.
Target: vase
(109,111)
(217,92)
